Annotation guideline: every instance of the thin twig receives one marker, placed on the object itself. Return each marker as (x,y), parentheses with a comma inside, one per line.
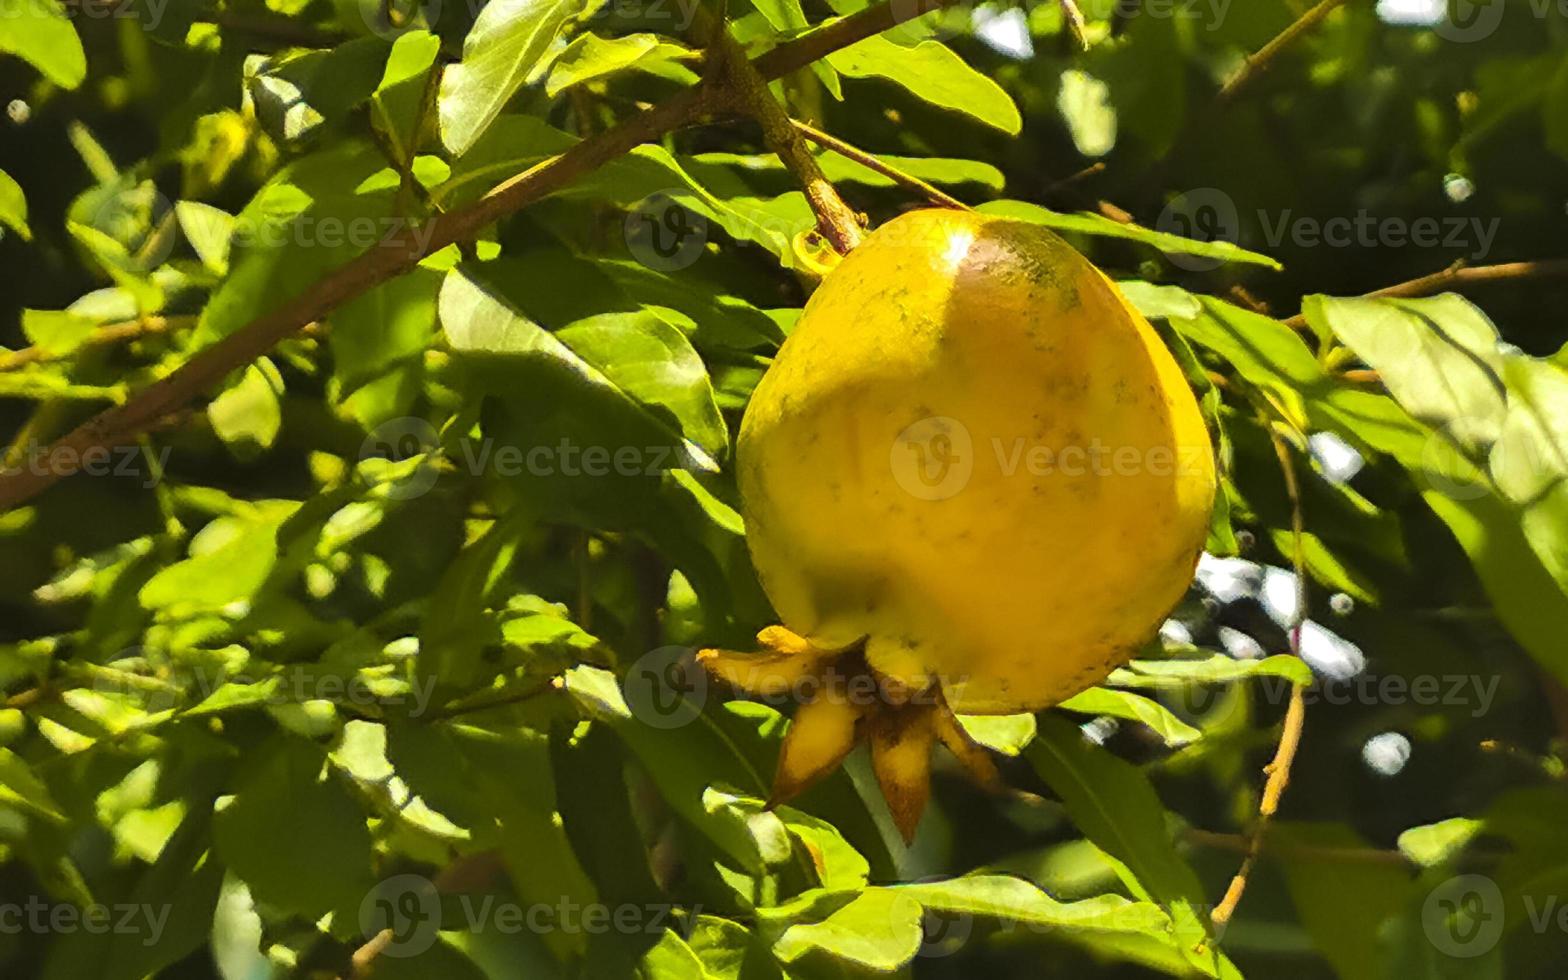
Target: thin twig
(111,333)
(1263,59)
(402,251)
(835,219)
(1091,170)
(1295,714)
(1254,66)
(873,162)
(1459,275)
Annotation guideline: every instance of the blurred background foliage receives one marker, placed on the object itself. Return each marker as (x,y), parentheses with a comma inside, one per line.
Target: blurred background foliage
(311,637)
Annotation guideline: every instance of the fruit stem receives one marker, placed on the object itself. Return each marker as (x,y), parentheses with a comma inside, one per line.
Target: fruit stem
(835,219)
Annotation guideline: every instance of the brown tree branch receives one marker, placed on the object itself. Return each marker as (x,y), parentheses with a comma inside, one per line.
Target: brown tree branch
(1459,275)
(402,251)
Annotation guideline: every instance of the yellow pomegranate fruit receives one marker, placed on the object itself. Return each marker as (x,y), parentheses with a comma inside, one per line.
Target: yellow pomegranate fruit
(974,474)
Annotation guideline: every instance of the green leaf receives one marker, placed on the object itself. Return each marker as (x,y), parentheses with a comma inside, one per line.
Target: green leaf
(1217,669)
(1122,704)
(649,170)
(1344,904)
(597,455)
(685,760)
(503,51)
(642,355)
(516,783)
(57,332)
(209,230)
(230,560)
(1529,463)
(590,57)
(1325,566)
(182,886)
(295,834)
(125,226)
(1085,103)
(837,863)
(314,215)
(1157,302)
(20,785)
(295,94)
(636,358)
(378,342)
(13,207)
(1096,224)
(597,814)
(458,624)
(671,959)
(1007,734)
(1554,111)
(879,930)
(783,15)
(1524,594)
(39,31)
(248,414)
(411,56)
(1437,356)
(1109,925)
(1115,806)
(398,104)
(932,72)
(1438,843)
